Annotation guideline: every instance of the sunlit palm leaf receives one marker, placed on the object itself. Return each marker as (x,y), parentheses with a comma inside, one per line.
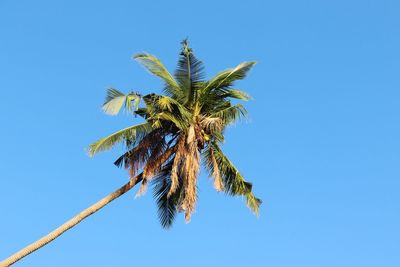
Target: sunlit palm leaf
(237,94)
(168,109)
(176,120)
(227,77)
(189,73)
(172,105)
(131,133)
(115,100)
(234,183)
(154,65)
(230,114)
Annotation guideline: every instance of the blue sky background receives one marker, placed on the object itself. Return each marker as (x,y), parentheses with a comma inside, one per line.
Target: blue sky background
(322,145)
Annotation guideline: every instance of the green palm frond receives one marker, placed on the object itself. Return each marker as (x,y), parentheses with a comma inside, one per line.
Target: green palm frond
(131,133)
(253,202)
(227,77)
(189,73)
(168,109)
(234,183)
(211,100)
(160,103)
(154,65)
(170,104)
(237,94)
(167,206)
(115,100)
(171,117)
(230,114)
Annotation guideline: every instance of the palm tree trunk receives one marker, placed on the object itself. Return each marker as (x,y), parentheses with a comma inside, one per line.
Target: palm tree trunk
(69,224)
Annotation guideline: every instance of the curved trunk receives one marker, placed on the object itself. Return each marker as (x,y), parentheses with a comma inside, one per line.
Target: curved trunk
(70,223)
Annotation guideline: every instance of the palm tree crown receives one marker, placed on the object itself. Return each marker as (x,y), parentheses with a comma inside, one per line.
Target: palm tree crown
(182,128)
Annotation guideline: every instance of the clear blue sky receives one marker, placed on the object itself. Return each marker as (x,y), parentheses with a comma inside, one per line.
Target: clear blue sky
(322,146)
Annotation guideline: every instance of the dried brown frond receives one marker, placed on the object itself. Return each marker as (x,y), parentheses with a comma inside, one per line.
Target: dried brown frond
(142,189)
(218,185)
(187,216)
(137,157)
(179,154)
(191,170)
(132,170)
(154,153)
(154,164)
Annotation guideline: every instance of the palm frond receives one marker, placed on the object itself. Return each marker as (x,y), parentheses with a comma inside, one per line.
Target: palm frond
(131,133)
(140,151)
(170,117)
(190,170)
(167,205)
(211,165)
(189,72)
(115,100)
(230,114)
(176,164)
(170,104)
(237,94)
(234,183)
(154,65)
(227,77)
(165,108)
(157,159)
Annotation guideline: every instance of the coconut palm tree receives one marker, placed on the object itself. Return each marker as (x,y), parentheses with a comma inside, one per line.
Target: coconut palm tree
(181,129)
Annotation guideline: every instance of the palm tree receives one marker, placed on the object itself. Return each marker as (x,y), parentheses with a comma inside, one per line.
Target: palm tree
(181,128)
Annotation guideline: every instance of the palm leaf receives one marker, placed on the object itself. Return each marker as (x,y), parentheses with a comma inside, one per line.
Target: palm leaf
(170,104)
(211,165)
(237,94)
(230,114)
(227,77)
(131,133)
(218,99)
(167,206)
(171,117)
(154,65)
(189,73)
(167,109)
(234,183)
(139,151)
(115,100)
